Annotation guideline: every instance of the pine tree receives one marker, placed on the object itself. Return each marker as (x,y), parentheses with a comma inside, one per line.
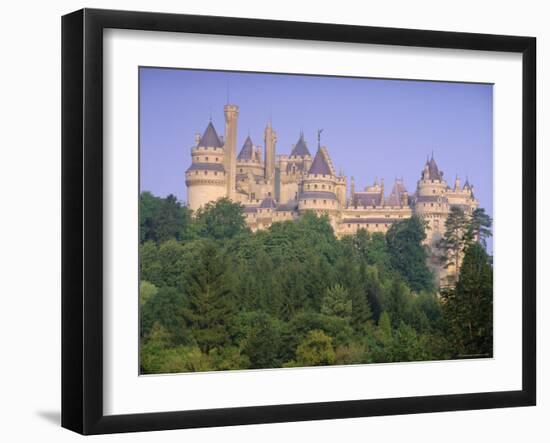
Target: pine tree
(408,255)
(468,308)
(455,238)
(337,302)
(211,305)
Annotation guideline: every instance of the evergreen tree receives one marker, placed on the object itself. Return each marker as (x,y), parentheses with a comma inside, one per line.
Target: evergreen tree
(211,305)
(455,239)
(408,255)
(337,302)
(479,227)
(468,308)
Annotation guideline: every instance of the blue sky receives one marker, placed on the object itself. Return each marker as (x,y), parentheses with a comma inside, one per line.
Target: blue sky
(371,127)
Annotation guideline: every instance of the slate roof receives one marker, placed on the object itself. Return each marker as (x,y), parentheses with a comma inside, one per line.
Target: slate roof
(317,194)
(250,209)
(433,170)
(300,148)
(247,151)
(320,164)
(210,138)
(206,167)
(397,192)
(290,206)
(367,199)
(268,203)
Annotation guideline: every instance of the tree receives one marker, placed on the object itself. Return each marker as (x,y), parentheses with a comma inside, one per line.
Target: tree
(468,308)
(146,292)
(479,228)
(262,340)
(166,308)
(336,302)
(454,240)
(408,255)
(162,219)
(315,350)
(211,305)
(221,220)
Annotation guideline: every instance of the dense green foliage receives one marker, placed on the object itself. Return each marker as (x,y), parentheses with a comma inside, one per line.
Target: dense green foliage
(215,296)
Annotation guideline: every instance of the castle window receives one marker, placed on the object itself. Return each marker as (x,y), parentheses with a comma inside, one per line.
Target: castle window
(431,204)
(196,172)
(315,186)
(241,170)
(314,201)
(376,224)
(216,158)
(205,172)
(325,202)
(205,158)
(269,194)
(434,191)
(215,172)
(323,186)
(349,226)
(308,186)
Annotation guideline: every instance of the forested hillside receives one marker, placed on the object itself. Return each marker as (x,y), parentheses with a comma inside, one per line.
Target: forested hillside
(215,296)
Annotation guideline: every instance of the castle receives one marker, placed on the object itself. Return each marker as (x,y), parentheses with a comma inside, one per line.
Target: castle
(281,187)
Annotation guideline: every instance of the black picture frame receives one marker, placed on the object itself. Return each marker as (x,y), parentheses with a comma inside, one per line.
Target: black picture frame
(82,215)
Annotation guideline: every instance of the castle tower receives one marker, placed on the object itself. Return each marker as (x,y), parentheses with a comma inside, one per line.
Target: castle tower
(270,138)
(292,169)
(231,113)
(206,178)
(320,188)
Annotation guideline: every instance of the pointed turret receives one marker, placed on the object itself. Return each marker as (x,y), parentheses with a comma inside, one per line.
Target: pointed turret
(300,148)
(247,151)
(320,165)
(210,138)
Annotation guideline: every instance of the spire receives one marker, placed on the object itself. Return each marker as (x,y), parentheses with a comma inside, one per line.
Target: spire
(300,149)
(210,138)
(247,151)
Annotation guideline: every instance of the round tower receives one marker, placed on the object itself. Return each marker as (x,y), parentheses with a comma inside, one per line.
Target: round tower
(206,177)
(431,202)
(320,188)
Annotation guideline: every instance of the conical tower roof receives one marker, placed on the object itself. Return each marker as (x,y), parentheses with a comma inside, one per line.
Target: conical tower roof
(320,164)
(300,149)
(247,151)
(433,170)
(210,138)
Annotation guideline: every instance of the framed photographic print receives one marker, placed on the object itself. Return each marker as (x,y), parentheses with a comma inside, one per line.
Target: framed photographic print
(269,221)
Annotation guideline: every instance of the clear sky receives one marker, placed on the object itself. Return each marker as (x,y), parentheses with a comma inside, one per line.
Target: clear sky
(371,127)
